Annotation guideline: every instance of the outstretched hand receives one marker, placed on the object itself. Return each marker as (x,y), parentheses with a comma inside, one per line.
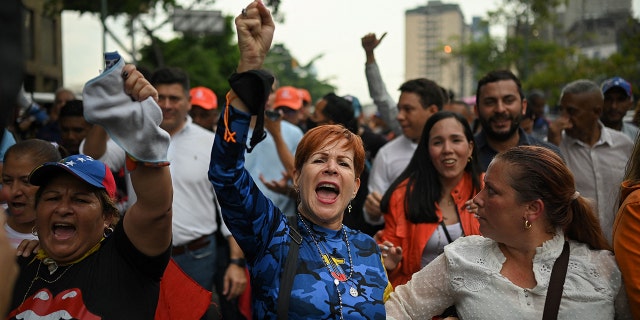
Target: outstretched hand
(280,186)
(255,29)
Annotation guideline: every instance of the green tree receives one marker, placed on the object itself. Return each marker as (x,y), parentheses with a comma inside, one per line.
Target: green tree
(528,49)
(291,72)
(132,7)
(524,21)
(208,59)
(112,8)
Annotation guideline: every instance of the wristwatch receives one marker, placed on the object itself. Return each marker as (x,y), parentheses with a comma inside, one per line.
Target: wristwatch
(241,262)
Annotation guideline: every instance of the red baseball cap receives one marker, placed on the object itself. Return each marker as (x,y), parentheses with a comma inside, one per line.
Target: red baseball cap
(306,96)
(203,97)
(289,97)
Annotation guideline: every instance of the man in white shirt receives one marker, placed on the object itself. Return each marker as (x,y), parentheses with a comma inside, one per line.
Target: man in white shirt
(419,99)
(596,155)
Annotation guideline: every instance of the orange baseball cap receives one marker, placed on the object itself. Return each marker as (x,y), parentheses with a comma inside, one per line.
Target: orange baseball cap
(203,97)
(289,97)
(306,96)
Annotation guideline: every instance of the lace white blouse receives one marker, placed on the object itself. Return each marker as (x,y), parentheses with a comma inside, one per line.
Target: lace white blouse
(468,275)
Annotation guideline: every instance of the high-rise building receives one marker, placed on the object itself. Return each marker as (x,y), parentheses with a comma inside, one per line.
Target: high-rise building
(580,10)
(42,47)
(593,26)
(433,35)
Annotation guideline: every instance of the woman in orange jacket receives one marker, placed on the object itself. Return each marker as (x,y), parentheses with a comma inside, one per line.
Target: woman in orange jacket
(626,227)
(425,206)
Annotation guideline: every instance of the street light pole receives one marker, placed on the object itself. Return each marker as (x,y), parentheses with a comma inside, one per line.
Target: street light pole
(103,18)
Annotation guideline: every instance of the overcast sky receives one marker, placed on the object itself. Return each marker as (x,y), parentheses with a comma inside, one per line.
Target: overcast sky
(329,27)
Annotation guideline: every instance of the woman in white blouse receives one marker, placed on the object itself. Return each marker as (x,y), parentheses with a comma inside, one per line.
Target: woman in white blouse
(527,209)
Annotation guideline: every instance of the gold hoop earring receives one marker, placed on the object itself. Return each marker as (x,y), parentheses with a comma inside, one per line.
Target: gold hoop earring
(34,231)
(527,224)
(469,159)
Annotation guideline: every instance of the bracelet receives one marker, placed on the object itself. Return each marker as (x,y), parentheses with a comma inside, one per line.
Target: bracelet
(240,262)
(131,163)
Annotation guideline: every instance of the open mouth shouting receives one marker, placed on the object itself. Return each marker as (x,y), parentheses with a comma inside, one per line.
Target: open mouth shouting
(63,231)
(327,192)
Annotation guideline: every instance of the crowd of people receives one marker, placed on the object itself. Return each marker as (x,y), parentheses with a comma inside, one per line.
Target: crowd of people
(269,204)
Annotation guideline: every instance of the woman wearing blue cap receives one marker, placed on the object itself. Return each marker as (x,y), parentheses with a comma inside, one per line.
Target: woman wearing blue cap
(91,266)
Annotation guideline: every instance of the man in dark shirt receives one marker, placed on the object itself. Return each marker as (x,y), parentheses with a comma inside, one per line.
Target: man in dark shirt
(500,105)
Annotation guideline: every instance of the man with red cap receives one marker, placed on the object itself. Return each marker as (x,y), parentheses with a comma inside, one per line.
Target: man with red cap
(204,108)
(307,109)
(288,102)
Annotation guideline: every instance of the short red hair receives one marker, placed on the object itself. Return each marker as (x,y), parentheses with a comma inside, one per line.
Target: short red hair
(321,136)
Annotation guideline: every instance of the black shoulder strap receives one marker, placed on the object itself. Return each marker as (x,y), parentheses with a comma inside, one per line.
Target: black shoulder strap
(446,232)
(556,283)
(286,280)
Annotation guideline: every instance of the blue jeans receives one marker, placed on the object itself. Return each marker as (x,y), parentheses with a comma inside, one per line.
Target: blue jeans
(200,264)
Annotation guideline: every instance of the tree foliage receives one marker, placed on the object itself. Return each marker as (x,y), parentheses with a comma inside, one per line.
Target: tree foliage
(132,7)
(114,7)
(208,59)
(528,49)
(291,72)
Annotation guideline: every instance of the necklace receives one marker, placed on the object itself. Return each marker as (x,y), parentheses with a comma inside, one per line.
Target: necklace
(334,269)
(53,266)
(37,277)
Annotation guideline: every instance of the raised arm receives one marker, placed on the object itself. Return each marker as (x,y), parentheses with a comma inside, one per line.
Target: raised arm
(370,43)
(255,29)
(385,104)
(95,143)
(286,158)
(121,100)
(148,222)
(243,206)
